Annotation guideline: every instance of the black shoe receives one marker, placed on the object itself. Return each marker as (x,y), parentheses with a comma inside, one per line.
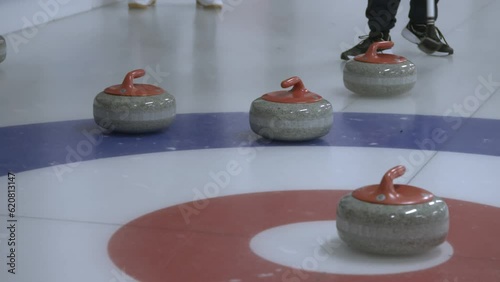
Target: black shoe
(416,32)
(362,46)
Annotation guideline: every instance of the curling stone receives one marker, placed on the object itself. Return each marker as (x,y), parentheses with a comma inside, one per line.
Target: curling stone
(391,219)
(294,115)
(377,74)
(134,108)
(3,49)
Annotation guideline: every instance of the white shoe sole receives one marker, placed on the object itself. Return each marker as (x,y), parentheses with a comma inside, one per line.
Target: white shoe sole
(408,35)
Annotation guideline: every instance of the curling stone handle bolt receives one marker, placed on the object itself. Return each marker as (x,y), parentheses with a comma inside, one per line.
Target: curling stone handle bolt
(128,81)
(387,184)
(298,89)
(372,51)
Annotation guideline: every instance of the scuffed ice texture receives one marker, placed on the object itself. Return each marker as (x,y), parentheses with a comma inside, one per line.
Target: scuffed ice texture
(379,79)
(291,122)
(134,114)
(392,229)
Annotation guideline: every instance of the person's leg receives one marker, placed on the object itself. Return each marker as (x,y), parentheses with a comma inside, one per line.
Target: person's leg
(381,15)
(416,29)
(418,11)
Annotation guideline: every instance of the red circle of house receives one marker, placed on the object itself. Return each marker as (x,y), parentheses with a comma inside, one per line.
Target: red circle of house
(209,241)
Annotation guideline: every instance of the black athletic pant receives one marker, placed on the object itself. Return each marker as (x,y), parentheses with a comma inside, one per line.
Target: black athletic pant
(381,14)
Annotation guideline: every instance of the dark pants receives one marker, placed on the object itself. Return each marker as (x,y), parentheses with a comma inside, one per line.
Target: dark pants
(381,14)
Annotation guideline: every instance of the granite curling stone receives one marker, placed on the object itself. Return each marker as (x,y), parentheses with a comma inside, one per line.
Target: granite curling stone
(294,115)
(377,74)
(134,108)
(391,219)
(3,49)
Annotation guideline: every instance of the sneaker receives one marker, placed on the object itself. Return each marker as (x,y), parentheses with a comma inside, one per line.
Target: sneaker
(416,32)
(366,41)
(214,4)
(140,4)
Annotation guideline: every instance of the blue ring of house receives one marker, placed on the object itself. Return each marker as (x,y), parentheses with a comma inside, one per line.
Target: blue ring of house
(27,147)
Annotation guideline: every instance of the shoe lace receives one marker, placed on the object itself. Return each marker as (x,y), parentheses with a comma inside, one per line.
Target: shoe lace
(440,35)
(436,34)
(375,37)
(363,39)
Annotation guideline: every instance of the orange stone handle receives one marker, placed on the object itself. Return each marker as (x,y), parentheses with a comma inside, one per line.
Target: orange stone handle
(388,193)
(298,93)
(128,88)
(372,52)
(298,90)
(386,186)
(128,81)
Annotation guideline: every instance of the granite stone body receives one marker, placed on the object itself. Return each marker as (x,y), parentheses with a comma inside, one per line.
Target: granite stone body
(134,114)
(3,49)
(373,79)
(291,121)
(392,229)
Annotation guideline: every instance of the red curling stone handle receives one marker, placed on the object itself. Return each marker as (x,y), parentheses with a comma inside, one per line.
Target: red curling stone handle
(298,90)
(372,51)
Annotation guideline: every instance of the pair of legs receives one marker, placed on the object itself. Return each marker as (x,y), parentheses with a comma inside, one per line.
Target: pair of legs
(381,15)
(143,4)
